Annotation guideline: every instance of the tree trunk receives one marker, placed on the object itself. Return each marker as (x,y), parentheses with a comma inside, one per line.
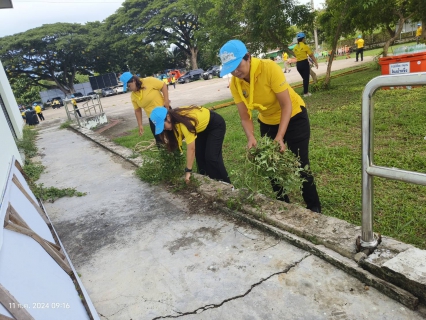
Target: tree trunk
(193,57)
(396,35)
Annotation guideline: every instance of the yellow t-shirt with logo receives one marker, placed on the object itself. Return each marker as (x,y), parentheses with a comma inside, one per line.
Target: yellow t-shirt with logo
(301,51)
(360,43)
(269,80)
(202,115)
(150,96)
(37,109)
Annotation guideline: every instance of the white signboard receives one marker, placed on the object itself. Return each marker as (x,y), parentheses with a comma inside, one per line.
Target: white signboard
(399,68)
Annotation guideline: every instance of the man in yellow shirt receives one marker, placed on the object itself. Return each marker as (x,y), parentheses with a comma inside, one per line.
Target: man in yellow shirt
(418,32)
(259,84)
(37,109)
(359,48)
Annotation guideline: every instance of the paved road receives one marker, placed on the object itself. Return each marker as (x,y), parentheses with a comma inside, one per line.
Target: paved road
(120,112)
(145,253)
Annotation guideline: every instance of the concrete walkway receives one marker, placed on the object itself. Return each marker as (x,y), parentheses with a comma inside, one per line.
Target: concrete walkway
(145,253)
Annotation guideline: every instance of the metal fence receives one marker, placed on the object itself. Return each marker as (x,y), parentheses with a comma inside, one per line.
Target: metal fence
(369,170)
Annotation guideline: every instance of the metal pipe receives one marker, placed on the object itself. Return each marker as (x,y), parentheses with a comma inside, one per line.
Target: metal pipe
(369,170)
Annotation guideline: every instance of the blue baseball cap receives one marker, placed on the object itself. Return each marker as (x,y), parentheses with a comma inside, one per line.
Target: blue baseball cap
(125,77)
(300,35)
(158,115)
(231,55)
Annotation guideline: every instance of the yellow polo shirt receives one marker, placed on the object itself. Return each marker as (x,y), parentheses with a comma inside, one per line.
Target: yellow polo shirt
(150,96)
(301,51)
(360,43)
(202,115)
(269,80)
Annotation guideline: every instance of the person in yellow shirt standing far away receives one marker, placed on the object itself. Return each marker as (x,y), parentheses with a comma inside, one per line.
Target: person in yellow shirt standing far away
(418,32)
(37,109)
(173,81)
(302,51)
(260,84)
(359,48)
(203,131)
(147,94)
(285,59)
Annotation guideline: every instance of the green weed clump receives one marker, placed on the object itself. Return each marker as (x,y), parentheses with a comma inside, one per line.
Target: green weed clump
(265,162)
(52,193)
(162,166)
(34,169)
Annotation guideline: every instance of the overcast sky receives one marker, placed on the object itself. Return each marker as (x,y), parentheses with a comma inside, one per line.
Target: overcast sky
(29,14)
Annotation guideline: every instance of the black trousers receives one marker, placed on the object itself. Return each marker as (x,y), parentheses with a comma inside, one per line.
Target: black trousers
(297,138)
(157,137)
(304,70)
(360,51)
(208,149)
(78,111)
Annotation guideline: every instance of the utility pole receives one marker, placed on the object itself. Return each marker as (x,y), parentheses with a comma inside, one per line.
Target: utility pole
(315,29)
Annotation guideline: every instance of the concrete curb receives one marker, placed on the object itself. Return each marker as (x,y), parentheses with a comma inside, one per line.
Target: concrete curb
(394,268)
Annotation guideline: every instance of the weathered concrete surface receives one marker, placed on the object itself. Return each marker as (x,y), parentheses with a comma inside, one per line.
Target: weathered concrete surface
(144,253)
(393,261)
(407,269)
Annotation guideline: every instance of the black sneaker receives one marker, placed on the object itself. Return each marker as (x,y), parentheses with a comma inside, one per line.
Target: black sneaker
(315,209)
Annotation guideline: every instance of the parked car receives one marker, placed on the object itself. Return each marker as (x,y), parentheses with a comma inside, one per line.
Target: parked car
(106,92)
(92,95)
(118,89)
(211,72)
(79,97)
(191,76)
(60,102)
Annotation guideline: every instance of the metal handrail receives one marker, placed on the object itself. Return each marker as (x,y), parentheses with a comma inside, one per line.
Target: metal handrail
(85,107)
(368,239)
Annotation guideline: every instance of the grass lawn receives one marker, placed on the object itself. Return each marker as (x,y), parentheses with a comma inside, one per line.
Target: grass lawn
(335,153)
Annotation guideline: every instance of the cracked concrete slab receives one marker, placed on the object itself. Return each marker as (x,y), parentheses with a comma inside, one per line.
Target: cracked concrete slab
(144,253)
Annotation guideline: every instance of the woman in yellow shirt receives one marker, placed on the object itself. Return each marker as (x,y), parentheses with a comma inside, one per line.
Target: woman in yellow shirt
(203,131)
(261,85)
(147,93)
(302,51)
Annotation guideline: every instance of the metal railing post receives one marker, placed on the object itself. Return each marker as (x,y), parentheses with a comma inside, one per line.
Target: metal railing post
(368,239)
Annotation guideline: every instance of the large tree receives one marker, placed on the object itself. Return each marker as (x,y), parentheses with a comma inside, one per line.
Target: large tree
(53,52)
(161,21)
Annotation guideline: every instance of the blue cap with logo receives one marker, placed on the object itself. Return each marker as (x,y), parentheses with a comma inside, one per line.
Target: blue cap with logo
(231,55)
(125,77)
(158,115)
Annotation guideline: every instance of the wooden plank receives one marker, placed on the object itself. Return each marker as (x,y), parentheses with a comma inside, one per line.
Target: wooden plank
(16,309)
(51,251)
(16,218)
(21,170)
(6,217)
(25,193)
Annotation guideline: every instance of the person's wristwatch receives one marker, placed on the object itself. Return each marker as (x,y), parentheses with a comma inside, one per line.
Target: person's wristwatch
(188,170)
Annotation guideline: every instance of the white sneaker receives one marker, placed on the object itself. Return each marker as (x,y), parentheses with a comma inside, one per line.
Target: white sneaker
(307,94)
